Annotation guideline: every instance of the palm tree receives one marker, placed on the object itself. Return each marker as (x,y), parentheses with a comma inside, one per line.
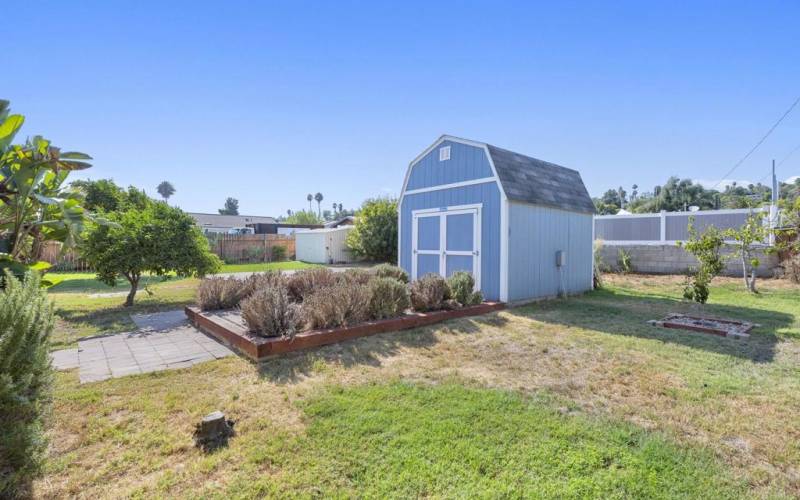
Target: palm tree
(165,189)
(319,198)
(310,198)
(340,207)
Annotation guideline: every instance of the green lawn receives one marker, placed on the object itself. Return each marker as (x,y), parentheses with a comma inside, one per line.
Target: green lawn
(575,398)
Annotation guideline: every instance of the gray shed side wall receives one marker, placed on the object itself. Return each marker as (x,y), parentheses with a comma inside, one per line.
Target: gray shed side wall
(536,233)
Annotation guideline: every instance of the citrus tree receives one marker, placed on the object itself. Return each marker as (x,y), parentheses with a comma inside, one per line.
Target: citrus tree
(156,239)
(751,235)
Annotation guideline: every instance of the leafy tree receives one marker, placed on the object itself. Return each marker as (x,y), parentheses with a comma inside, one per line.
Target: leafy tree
(165,189)
(158,239)
(231,207)
(751,234)
(303,217)
(26,322)
(375,233)
(100,195)
(706,248)
(318,198)
(35,204)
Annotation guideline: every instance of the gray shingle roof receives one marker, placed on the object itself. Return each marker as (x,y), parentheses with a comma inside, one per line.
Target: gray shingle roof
(539,182)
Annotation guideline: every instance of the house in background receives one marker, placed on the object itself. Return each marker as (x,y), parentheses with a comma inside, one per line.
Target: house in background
(216,223)
(521,226)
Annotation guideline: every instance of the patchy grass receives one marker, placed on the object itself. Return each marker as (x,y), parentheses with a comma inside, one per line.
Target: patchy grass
(87,307)
(579,395)
(80,315)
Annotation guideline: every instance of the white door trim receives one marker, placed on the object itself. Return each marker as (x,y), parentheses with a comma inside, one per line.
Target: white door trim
(442,213)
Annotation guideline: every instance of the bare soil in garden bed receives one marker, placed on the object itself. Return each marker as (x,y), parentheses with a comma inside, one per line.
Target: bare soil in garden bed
(715,326)
(229,327)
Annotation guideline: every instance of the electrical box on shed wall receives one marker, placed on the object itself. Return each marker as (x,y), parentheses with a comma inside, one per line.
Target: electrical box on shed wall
(561,258)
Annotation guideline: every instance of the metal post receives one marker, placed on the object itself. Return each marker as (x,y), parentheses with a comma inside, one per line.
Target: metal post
(773,207)
(663,226)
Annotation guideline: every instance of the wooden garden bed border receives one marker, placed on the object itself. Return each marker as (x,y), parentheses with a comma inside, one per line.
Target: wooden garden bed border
(258,348)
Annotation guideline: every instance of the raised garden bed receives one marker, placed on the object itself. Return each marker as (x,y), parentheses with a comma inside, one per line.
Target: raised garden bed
(227,326)
(723,327)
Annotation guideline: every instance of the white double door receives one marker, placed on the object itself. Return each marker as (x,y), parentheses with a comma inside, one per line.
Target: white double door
(445,241)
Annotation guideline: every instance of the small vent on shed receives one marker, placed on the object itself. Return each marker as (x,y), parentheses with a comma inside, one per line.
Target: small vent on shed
(444,153)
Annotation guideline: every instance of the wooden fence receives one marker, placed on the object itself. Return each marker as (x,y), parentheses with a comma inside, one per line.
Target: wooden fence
(247,248)
(68,261)
(231,248)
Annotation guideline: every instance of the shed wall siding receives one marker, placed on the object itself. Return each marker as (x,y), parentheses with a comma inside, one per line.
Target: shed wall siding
(536,234)
(465,163)
(489,196)
(310,247)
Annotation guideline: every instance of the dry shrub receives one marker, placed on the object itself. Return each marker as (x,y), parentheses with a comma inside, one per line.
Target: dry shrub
(304,282)
(791,266)
(429,293)
(335,305)
(268,312)
(220,293)
(355,276)
(388,298)
(462,289)
(259,281)
(390,271)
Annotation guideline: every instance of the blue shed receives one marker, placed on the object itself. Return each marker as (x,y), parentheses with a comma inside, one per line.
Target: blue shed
(521,226)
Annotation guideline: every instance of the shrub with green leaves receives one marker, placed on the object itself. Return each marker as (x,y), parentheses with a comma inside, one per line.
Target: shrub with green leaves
(268,312)
(278,253)
(221,293)
(302,283)
(26,322)
(429,293)
(390,271)
(374,236)
(706,248)
(624,262)
(388,298)
(339,304)
(462,289)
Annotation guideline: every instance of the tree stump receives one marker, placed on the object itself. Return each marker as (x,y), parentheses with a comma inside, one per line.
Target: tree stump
(213,431)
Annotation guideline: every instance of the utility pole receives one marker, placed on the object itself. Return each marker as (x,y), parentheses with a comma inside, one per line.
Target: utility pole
(773,206)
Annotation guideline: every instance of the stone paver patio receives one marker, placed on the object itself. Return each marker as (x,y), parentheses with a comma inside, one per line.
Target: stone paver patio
(164,341)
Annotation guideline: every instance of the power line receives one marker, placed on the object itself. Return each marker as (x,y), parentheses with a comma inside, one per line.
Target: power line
(795,150)
(739,163)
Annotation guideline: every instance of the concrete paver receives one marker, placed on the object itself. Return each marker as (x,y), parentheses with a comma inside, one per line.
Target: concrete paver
(164,341)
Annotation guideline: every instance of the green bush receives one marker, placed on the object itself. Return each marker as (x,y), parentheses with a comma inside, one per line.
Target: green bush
(706,248)
(304,282)
(268,312)
(624,262)
(429,293)
(374,236)
(278,253)
(388,298)
(221,293)
(26,322)
(339,304)
(390,271)
(462,289)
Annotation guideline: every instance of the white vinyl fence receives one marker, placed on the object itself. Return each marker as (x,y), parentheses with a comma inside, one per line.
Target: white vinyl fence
(667,227)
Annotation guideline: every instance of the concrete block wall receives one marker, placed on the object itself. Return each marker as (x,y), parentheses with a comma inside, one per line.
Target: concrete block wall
(672,259)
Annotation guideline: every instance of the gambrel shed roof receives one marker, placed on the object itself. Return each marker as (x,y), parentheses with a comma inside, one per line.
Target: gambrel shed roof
(539,182)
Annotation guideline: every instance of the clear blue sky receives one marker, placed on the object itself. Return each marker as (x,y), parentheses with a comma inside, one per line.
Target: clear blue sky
(267,102)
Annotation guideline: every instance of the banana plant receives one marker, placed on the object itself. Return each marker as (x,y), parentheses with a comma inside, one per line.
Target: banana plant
(35,205)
